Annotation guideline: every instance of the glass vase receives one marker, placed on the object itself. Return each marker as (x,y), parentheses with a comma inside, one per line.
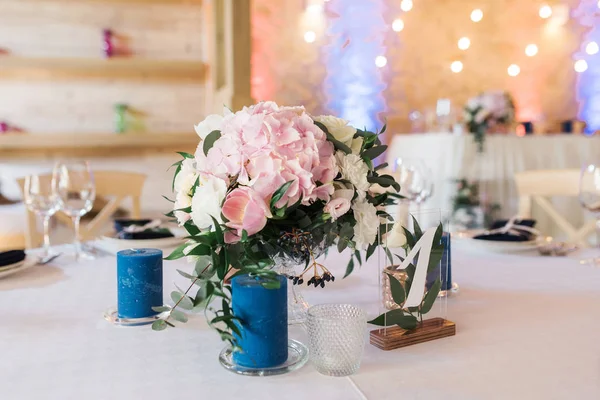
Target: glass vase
(297,306)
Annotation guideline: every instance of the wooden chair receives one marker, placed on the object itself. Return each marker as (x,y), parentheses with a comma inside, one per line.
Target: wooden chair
(114,185)
(537,186)
(12,231)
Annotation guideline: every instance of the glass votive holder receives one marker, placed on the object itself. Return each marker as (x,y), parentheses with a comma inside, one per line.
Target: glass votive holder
(336,334)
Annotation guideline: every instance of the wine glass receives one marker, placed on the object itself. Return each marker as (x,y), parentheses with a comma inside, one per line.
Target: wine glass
(76,191)
(410,177)
(589,197)
(40,198)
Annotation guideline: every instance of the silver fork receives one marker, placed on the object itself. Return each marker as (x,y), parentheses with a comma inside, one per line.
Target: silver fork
(47,259)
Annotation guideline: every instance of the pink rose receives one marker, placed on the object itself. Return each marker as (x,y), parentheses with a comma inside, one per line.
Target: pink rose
(245,210)
(339,203)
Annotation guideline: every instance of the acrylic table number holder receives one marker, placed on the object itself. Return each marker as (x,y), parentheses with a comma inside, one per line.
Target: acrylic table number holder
(412,269)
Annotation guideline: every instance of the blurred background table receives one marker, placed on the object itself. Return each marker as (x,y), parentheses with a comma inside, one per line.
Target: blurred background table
(450,157)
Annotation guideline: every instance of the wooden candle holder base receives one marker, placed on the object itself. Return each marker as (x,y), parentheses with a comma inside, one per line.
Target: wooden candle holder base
(395,337)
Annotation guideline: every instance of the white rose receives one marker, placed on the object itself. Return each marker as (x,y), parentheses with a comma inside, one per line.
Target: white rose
(186,177)
(397,237)
(367,223)
(357,145)
(182,201)
(213,122)
(354,169)
(338,128)
(207,200)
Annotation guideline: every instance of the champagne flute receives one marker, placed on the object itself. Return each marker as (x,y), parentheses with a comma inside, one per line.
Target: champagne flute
(40,198)
(76,191)
(589,197)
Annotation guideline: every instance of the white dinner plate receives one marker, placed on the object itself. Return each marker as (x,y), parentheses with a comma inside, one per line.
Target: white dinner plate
(20,266)
(466,238)
(113,244)
(11,266)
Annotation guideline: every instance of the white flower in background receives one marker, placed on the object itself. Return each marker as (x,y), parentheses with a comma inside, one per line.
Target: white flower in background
(213,122)
(186,177)
(396,237)
(367,223)
(338,128)
(357,145)
(354,169)
(207,200)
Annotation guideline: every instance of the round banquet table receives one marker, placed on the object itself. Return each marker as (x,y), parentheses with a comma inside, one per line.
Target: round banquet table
(527,328)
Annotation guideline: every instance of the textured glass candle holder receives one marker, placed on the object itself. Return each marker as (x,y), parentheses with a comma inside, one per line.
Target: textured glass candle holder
(336,338)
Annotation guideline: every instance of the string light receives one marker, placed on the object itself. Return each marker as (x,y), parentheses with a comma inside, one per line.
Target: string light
(406,5)
(314,8)
(476,15)
(592,48)
(381,61)
(397,25)
(580,65)
(514,70)
(464,43)
(545,12)
(456,66)
(531,50)
(310,36)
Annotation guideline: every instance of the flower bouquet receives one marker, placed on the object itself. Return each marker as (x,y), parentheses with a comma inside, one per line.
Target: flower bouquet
(268,185)
(488,111)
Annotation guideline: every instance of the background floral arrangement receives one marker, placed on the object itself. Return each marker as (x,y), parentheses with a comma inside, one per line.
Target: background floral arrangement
(488,111)
(271,181)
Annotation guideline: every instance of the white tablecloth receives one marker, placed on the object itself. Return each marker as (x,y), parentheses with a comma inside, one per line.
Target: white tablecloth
(453,156)
(527,328)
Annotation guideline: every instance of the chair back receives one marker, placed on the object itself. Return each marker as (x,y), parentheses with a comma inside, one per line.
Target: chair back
(116,185)
(537,186)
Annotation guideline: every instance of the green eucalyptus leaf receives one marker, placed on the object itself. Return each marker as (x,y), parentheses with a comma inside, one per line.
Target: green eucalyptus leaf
(179,316)
(358,256)
(184,301)
(161,309)
(430,297)
(159,325)
(185,274)
(210,140)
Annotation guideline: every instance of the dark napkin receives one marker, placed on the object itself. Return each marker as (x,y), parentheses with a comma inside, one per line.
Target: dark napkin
(155,233)
(11,257)
(516,234)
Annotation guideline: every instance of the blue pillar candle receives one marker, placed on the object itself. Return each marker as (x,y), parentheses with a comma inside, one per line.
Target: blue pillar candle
(447,262)
(264,326)
(139,282)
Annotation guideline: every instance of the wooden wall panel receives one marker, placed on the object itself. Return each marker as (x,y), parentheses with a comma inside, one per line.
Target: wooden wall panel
(158,29)
(74,29)
(45,107)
